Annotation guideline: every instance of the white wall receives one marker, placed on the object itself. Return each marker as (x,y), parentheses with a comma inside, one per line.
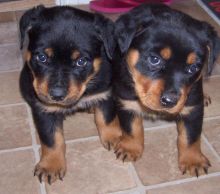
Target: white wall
(71,2)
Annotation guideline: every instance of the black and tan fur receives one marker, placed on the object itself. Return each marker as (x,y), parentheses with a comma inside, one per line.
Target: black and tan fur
(67,69)
(158,67)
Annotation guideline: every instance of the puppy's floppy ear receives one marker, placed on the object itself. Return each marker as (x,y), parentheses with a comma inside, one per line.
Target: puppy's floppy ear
(128,24)
(213,45)
(28,20)
(135,22)
(105,32)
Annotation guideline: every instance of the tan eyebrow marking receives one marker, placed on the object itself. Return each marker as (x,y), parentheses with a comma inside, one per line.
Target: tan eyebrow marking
(191,58)
(166,53)
(75,54)
(49,52)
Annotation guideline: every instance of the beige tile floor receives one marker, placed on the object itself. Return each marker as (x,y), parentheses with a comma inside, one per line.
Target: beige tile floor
(91,169)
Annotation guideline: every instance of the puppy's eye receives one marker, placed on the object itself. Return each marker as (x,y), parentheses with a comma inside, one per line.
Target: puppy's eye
(42,58)
(193,69)
(154,60)
(81,62)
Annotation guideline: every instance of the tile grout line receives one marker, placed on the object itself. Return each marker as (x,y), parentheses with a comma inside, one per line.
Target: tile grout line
(159,127)
(140,186)
(82,139)
(135,175)
(128,191)
(11,105)
(181,181)
(163,126)
(212,76)
(211,118)
(210,147)
(93,138)
(10,71)
(170,183)
(35,146)
(15,149)
(8,44)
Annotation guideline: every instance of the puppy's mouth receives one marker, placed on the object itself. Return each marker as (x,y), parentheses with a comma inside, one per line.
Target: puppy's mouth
(158,104)
(58,96)
(66,103)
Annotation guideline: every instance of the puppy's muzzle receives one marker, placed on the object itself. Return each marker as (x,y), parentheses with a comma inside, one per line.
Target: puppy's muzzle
(169,99)
(58,93)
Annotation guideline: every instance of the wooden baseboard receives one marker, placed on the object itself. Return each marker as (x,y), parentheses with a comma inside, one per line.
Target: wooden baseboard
(23,4)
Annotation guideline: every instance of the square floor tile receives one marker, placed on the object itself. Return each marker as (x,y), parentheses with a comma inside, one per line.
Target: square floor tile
(92,169)
(200,186)
(79,125)
(15,131)
(211,131)
(156,123)
(9,88)
(17,173)
(211,87)
(216,69)
(159,162)
(7,16)
(11,58)
(8,32)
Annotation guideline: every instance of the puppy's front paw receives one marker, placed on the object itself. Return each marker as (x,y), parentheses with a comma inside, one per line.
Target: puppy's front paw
(50,169)
(129,149)
(195,164)
(110,138)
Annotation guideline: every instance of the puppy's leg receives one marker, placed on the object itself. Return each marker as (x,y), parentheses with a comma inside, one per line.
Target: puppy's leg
(131,146)
(189,127)
(107,124)
(52,164)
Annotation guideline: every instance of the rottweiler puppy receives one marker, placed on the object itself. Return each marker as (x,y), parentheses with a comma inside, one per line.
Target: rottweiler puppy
(67,68)
(158,69)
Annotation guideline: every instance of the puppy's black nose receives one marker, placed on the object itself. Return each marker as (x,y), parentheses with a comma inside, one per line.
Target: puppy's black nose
(169,99)
(57,93)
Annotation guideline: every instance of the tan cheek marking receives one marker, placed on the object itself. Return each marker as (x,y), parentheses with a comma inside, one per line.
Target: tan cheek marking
(132,57)
(74,91)
(41,86)
(141,82)
(191,58)
(27,56)
(154,93)
(49,52)
(166,53)
(149,91)
(97,64)
(75,55)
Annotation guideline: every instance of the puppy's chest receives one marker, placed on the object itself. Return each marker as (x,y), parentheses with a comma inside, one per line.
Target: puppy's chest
(137,108)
